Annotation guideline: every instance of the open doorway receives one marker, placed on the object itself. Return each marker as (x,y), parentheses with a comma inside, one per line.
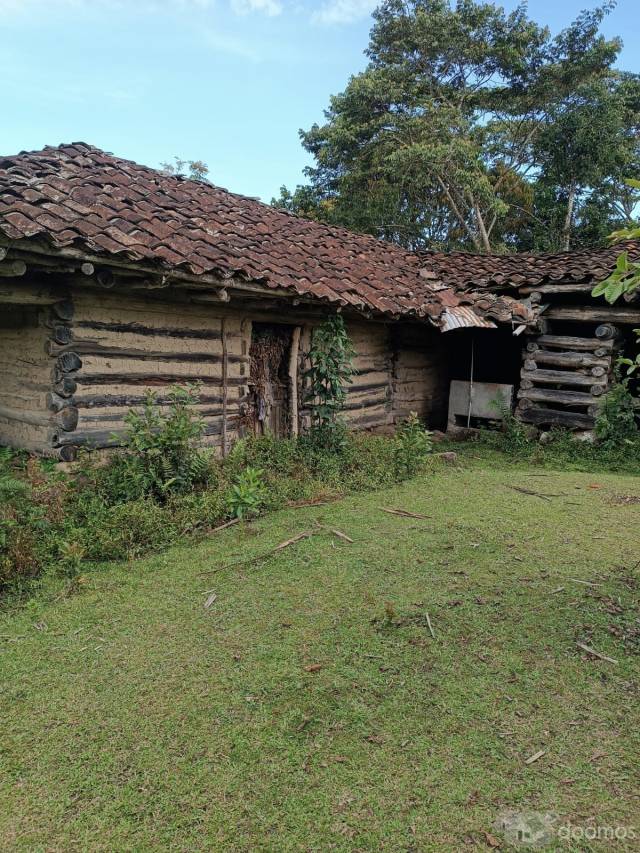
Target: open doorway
(270,381)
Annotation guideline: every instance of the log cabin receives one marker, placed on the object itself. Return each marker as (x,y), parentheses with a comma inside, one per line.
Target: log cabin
(116,278)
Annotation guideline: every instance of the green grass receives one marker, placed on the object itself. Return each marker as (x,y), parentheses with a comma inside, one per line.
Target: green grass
(134,719)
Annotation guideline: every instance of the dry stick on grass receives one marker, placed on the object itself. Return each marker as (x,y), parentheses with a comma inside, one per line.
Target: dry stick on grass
(596,654)
(306,534)
(404,512)
(224,526)
(210,600)
(430,626)
(341,535)
(584,583)
(535,756)
(524,491)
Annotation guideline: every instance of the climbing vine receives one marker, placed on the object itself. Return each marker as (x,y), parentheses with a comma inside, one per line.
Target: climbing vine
(331,371)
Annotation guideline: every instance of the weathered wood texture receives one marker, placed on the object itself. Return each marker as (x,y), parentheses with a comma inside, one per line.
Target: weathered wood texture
(25,380)
(129,345)
(369,404)
(69,379)
(419,378)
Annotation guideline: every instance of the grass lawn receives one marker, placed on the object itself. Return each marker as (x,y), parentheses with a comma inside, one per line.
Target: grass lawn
(309,708)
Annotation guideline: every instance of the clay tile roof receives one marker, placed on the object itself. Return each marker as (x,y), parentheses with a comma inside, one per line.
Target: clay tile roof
(81,197)
(465,271)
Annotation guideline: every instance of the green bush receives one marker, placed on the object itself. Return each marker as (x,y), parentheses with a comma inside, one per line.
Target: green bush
(162,454)
(616,424)
(411,448)
(247,494)
(160,486)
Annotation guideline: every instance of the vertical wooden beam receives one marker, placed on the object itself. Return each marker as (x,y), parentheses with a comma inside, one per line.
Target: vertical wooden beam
(225,386)
(293,380)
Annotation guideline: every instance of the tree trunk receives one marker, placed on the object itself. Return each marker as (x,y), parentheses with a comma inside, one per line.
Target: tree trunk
(484,236)
(568,220)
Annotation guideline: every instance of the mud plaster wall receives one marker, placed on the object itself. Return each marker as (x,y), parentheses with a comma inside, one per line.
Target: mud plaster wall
(25,379)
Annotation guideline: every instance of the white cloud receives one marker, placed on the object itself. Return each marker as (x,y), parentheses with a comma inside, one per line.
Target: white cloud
(231,45)
(269,7)
(343,11)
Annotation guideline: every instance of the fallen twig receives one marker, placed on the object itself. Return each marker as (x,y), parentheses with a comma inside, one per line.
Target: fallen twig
(342,535)
(404,512)
(265,555)
(210,600)
(304,535)
(524,491)
(430,626)
(596,654)
(584,583)
(535,756)
(224,526)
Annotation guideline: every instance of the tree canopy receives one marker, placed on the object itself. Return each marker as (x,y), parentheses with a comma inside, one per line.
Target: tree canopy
(472,127)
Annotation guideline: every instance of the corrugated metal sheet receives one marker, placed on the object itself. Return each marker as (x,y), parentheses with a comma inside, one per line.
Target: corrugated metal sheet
(462,317)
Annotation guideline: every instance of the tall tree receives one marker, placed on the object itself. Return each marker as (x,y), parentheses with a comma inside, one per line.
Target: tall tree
(435,141)
(587,145)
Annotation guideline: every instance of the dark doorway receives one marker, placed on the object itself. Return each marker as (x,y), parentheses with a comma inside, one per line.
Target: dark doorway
(269,379)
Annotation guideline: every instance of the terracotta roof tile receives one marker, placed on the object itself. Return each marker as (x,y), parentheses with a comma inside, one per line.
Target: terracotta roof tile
(464,271)
(105,205)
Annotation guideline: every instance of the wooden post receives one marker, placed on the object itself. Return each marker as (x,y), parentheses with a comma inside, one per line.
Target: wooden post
(293,380)
(225,389)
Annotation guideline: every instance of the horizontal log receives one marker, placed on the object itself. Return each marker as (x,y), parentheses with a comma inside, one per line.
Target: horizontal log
(62,335)
(557,417)
(66,387)
(607,332)
(100,439)
(69,453)
(569,342)
(154,380)
(128,401)
(28,294)
(558,377)
(598,314)
(56,403)
(94,348)
(90,419)
(66,420)
(152,331)
(549,395)
(372,386)
(68,362)
(567,287)
(570,360)
(12,269)
(63,310)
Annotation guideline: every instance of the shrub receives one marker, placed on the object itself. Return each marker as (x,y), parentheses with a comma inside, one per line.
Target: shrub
(161,453)
(412,447)
(247,494)
(616,423)
(22,528)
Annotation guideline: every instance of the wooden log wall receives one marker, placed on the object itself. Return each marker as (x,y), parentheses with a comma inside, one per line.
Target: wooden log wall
(25,369)
(72,368)
(369,399)
(36,385)
(129,345)
(419,377)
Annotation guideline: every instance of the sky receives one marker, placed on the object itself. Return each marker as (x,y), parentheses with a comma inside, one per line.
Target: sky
(229,82)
